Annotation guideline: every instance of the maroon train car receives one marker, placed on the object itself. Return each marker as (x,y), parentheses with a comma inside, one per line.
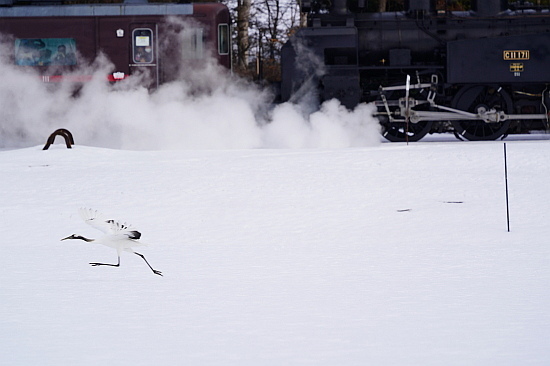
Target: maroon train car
(137,37)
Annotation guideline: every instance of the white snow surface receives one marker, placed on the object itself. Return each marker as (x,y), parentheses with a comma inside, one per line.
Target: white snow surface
(381,255)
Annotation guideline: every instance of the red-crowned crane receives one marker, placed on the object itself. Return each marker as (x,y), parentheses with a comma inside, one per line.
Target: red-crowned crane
(119,236)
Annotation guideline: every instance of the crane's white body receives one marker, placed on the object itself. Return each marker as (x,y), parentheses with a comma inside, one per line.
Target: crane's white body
(119,236)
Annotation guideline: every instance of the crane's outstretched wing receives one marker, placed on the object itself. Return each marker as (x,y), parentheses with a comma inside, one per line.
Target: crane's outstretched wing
(109,227)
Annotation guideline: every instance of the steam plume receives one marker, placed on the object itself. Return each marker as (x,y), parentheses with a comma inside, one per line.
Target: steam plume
(203,109)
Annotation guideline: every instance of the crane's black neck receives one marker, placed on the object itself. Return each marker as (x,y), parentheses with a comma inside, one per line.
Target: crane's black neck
(80,237)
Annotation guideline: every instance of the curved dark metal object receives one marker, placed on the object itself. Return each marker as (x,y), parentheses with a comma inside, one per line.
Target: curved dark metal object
(66,134)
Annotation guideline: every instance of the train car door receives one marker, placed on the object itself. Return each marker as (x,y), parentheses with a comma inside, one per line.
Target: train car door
(144,52)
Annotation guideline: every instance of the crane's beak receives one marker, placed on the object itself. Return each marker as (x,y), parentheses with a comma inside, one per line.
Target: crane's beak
(68,237)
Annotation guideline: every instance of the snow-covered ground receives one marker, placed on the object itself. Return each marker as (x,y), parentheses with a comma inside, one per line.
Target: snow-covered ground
(381,255)
(349,252)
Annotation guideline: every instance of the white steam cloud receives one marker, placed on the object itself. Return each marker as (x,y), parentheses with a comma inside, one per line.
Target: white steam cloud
(203,109)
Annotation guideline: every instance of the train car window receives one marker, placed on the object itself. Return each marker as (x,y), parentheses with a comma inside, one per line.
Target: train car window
(142,46)
(193,44)
(223,39)
(45,51)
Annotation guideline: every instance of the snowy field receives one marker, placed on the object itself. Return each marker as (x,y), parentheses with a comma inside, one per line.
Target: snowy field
(286,236)
(382,255)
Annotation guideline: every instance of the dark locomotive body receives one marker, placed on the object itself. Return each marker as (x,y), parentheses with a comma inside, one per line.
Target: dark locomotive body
(158,40)
(481,73)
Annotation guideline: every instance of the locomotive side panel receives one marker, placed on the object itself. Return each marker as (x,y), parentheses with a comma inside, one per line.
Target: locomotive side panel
(500,60)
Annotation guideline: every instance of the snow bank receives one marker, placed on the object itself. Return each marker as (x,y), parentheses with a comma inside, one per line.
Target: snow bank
(390,255)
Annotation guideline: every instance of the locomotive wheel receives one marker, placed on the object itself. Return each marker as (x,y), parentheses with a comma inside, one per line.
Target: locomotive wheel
(400,132)
(479,98)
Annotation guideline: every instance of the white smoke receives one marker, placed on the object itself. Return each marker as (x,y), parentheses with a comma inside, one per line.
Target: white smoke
(203,109)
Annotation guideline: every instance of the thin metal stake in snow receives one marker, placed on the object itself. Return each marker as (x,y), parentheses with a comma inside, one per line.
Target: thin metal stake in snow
(407,108)
(506,184)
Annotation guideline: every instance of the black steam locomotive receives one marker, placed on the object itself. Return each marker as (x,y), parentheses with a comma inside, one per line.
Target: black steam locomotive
(482,73)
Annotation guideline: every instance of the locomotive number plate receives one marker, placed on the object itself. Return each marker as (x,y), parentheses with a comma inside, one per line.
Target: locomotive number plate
(516,55)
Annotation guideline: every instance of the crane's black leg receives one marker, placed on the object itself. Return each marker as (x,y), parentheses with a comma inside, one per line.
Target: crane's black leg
(107,264)
(154,270)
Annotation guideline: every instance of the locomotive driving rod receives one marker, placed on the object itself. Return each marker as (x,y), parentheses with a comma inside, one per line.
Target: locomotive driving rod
(407,114)
(450,114)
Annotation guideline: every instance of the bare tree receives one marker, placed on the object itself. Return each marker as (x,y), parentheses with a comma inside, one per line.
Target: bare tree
(243,43)
(276,20)
(272,23)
